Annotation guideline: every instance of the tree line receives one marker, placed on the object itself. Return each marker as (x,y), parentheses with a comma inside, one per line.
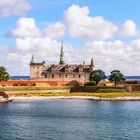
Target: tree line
(97,75)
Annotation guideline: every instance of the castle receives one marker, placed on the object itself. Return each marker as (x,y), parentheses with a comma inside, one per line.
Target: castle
(61,71)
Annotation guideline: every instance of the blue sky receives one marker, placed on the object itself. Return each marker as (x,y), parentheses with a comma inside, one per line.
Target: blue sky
(50,16)
(50,11)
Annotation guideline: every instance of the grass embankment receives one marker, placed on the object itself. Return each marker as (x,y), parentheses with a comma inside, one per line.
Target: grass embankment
(22,88)
(98,89)
(108,95)
(95,91)
(101,95)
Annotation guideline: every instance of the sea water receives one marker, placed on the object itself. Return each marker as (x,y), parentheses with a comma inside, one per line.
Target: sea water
(69,119)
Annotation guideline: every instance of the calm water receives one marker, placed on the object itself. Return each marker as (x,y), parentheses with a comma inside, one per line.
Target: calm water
(70,120)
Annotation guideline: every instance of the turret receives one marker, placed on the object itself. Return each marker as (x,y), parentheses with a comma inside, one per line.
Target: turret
(92,65)
(80,68)
(61,56)
(83,62)
(32,60)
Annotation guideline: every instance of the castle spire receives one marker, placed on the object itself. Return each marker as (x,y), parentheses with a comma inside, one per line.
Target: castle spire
(32,60)
(61,55)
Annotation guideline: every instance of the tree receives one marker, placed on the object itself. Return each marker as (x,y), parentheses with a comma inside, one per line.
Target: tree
(97,76)
(88,83)
(116,76)
(4,76)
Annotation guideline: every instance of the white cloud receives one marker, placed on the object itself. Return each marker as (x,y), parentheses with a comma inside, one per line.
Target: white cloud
(25,27)
(36,45)
(130,28)
(13,7)
(81,25)
(55,30)
(43,43)
(42,48)
(108,55)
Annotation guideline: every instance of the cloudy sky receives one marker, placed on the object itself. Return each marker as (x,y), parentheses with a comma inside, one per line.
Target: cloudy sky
(107,30)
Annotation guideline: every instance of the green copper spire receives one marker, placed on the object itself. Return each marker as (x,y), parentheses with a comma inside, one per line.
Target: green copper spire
(32,60)
(61,55)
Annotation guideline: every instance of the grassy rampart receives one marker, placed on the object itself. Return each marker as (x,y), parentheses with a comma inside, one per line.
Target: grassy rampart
(21,88)
(89,89)
(101,95)
(97,89)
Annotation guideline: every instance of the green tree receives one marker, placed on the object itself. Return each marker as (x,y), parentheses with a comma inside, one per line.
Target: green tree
(90,83)
(116,76)
(97,76)
(4,76)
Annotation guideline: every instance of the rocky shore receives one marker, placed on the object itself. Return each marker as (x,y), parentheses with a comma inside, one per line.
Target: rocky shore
(5,100)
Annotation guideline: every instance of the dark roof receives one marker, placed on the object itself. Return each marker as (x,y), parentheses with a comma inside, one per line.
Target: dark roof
(62,68)
(35,63)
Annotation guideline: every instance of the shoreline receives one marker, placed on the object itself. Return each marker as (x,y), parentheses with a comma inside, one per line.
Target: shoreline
(126,98)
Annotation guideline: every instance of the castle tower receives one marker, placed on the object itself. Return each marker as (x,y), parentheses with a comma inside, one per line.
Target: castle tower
(92,65)
(36,69)
(61,56)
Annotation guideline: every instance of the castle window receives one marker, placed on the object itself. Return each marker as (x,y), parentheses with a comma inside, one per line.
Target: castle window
(45,75)
(60,75)
(66,70)
(66,75)
(52,75)
(79,76)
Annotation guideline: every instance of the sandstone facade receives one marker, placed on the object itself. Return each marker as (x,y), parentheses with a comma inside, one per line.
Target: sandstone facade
(61,71)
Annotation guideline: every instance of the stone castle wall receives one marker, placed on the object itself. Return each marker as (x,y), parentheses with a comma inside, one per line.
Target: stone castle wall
(63,77)
(36,73)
